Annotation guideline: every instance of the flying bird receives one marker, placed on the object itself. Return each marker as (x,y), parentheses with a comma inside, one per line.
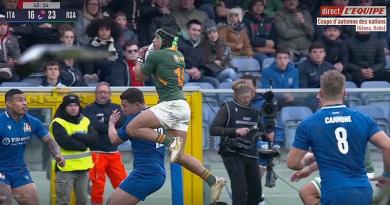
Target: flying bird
(36,56)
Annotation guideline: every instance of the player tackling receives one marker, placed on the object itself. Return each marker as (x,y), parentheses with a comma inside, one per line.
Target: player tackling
(172,112)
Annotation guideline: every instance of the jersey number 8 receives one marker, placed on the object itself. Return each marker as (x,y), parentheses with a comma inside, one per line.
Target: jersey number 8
(341,136)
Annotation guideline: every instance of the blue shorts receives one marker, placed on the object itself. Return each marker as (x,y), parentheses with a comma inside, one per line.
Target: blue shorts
(355,196)
(141,185)
(15,176)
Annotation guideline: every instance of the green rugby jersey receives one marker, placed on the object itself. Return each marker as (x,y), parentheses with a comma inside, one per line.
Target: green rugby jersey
(167,67)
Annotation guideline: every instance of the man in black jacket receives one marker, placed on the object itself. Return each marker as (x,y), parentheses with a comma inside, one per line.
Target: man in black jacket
(105,156)
(366,58)
(312,68)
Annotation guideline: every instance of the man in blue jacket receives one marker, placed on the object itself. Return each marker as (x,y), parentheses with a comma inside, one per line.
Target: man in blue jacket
(281,73)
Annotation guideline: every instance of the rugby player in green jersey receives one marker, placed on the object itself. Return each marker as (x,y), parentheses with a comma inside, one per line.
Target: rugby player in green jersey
(173,113)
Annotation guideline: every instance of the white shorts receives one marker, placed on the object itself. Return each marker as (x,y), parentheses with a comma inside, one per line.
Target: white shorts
(317,184)
(173,114)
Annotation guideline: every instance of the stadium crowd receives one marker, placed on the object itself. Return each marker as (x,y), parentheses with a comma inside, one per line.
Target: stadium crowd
(220,39)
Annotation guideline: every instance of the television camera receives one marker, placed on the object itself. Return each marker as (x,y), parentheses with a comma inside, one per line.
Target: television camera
(269,113)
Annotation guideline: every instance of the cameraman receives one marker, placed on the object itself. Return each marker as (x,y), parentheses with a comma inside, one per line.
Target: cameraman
(236,123)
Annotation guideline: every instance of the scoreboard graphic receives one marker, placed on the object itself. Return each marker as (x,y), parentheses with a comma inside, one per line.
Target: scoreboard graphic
(41,12)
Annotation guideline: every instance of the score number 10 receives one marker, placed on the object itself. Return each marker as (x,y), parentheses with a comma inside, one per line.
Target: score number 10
(51,14)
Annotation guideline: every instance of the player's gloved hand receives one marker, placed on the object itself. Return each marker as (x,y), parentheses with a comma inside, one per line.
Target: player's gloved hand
(60,160)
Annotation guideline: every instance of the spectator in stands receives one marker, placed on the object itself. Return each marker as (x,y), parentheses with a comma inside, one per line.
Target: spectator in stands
(236,37)
(207,6)
(67,35)
(134,11)
(282,73)
(216,55)
(235,34)
(91,10)
(164,19)
(127,34)
(105,34)
(335,48)
(311,69)
(366,58)
(8,5)
(131,55)
(294,29)
(74,133)
(9,53)
(185,12)
(222,10)
(106,157)
(260,30)
(190,46)
(51,75)
(347,30)
(147,11)
(71,74)
(272,7)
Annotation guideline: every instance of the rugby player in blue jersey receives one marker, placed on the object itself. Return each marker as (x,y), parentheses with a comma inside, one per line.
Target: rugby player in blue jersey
(149,172)
(338,137)
(16,129)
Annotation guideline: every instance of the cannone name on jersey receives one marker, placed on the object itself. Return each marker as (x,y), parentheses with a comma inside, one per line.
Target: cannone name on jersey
(338,119)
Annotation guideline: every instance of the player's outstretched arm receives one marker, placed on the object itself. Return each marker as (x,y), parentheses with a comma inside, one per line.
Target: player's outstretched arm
(54,150)
(112,133)
(294,160)
(381,140)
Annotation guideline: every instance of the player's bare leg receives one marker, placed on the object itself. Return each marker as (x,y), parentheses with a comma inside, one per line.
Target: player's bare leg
(196,167)
(26,195)
(5,194)
(120,197)
(143,125)
(309,194)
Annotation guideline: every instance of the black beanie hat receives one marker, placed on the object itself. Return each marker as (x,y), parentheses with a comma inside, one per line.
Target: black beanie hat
(168,39)
(71,98)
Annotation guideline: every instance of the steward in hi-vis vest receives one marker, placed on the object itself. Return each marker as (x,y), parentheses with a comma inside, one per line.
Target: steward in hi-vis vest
(74,134)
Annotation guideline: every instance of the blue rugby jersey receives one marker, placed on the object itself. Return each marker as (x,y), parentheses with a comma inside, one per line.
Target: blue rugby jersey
(337,137)
(148,156)
(13,138)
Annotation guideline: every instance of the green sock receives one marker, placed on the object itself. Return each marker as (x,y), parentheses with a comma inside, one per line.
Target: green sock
(165,139)
(208,177)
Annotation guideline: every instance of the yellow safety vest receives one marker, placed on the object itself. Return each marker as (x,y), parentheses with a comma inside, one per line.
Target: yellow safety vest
(75,160)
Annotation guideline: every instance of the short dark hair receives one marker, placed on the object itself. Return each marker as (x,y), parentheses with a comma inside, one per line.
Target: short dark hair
(10,93)
(131,43)
(51,63)
(133,95)
(193,21)
(316,45)
(250,77)
(119,13)
(282,50)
